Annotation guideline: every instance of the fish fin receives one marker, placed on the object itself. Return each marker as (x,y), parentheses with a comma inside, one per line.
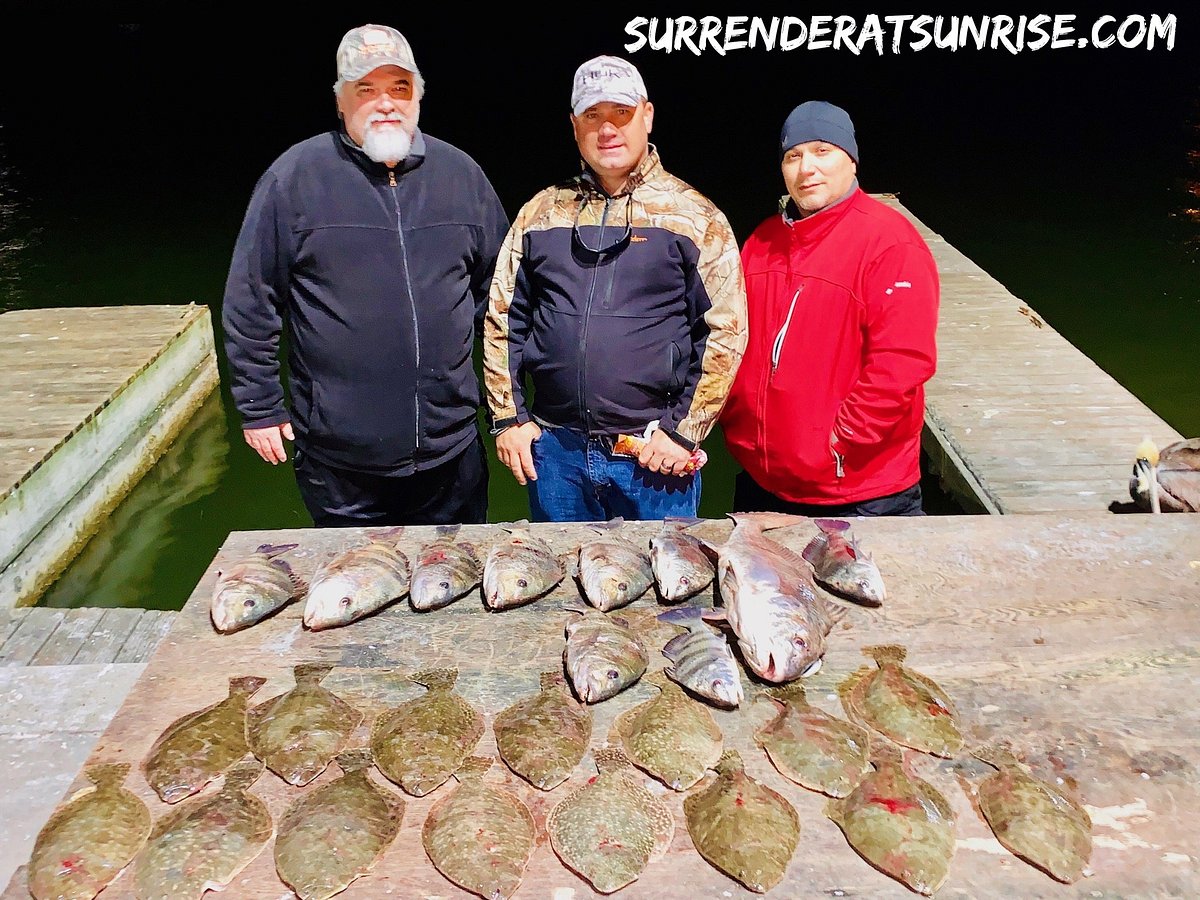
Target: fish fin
(789,692)
(575,605)
(245,685)
(447,531)
(243,774)
(355,759)
(813,667)
(682,521)
(852,681)
(830,526)
(766,521)
(436,679)
(673,648)
(311,672)
(387,535)
(272,550)
(730,763)
(109,774)
(833,811)
(715,615)
(997,755)
(615,522)
(684,616)
(473,767)
(551,680)
(886,653)
(813,549)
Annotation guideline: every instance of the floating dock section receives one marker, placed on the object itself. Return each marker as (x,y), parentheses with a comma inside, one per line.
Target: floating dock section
(91,398)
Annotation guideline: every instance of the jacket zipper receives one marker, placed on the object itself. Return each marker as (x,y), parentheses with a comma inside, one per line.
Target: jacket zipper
(392,183)
(587,314)
(777,346)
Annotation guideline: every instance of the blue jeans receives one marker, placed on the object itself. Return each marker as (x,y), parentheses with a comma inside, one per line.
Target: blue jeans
(581,480)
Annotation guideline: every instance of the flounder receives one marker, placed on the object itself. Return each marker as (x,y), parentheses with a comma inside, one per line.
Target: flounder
(254,587)
(901,703)
(671,736)
(480,836)
(611,828)
(519,568)
(88,841)
(742,827)
(443,571)
(196,748)
(543,737)
(336,832)
(603,655)
(1033,819)
(812,748)
(422,742)
(297,733)
(612,570)
(899,823)
(204,843)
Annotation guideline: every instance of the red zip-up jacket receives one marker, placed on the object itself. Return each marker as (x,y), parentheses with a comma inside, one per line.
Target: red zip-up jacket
(843,309)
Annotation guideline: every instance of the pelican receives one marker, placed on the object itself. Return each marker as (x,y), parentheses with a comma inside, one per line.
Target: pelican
(1167,480)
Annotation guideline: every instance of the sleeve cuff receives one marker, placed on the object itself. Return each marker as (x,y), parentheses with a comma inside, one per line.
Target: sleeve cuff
(679,439)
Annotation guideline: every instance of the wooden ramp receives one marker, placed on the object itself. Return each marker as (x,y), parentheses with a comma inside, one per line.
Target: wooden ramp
(1018,419)
(90,398)
(87,636)
(1073,637)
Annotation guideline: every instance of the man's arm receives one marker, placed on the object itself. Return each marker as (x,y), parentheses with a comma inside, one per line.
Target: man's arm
(493,228)
(901,293)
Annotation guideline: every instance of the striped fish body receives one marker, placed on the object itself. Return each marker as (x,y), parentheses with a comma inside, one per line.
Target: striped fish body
(356,583)
(443,571)
(702,660)
(253,588)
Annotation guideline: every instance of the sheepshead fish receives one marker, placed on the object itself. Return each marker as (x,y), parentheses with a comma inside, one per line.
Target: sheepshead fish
(519,568)
(422,742)
(357,582)
(899,823)
(312,853)
(682,566)
(1032,818)
(542,738)
(812,748)
(444,570)
(771,601)
(612,571)
(253,588)
(603,655)
(671,736)
(297,733)
(90,839)
(480,836)
(204,843)
(196,748)
(742,827)
(842,566)
(701,660)
(901,703)
(611,828)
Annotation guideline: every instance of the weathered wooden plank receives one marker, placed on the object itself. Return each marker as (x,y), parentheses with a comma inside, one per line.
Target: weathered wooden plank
(109,635)
(151,628)
(72,631)
(9,620)
(34,630)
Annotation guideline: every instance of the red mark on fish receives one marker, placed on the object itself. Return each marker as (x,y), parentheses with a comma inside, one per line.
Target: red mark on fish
(894,805)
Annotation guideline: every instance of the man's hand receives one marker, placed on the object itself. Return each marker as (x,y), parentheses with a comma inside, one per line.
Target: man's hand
(268,442)
(513,450)
(662,454)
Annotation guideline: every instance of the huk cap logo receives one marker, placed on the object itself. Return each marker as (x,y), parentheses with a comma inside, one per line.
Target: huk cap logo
(367,47)
(606,79)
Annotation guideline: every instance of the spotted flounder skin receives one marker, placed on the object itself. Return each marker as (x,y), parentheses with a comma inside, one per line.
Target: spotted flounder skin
(519,569)
(313,855)
(88,841)
(297,733)
(196,748)
(356,583)
(812,748)
(422,742)
(611,828)
(443,571)
(742,827)
(603,654)
(682,568)
(203,844)
(253,588)
(901,703)
(543,737)
(480,836)
(613,572)
(1033,819)
(899,823)
(671,736)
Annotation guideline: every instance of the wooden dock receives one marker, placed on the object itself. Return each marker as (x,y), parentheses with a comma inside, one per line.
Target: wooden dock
(1018,419)
(91,398)
(1072,636)
(87,636)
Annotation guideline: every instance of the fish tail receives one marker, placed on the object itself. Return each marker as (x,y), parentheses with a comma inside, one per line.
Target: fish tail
(550,680)
(851,681)
(387,535)
(658,677)
(684,616)
(474,767)
(311,672)
(832,526)
(886,653)
(447,531)
(609,759)
(765,521)
(682,521)
(996,755)
(730,763)
(245,685)
(574,604)
(109,774)
(886,753)
(243,774)
(271,550)
(355,759)
(436,679)
(789,692)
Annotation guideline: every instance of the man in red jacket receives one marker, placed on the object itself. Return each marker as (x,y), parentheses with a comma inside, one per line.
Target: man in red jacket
(826,410)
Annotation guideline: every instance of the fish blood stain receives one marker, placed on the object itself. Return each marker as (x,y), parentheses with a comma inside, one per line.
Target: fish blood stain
(936,709)
(894,805)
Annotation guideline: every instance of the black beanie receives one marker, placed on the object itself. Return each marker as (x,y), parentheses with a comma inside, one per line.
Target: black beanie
(817,120)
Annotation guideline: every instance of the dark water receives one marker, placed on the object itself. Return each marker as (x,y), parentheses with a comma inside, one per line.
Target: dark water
(127,156)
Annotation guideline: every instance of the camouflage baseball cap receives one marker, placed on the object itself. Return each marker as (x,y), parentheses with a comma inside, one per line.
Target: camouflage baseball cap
(367,47)
(606,78)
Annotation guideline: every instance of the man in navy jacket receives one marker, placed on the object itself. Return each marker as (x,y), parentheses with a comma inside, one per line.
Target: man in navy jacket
(374,245)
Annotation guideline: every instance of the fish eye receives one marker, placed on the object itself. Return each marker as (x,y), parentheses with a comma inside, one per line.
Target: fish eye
(521,582)
(684,581)
(444,585)
(345,602)
(613,674)
(248,603)
(622,585)
(800,642)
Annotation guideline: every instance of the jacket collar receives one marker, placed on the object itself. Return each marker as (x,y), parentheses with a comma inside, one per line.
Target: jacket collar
(648,168)
(814,227)
(416,155)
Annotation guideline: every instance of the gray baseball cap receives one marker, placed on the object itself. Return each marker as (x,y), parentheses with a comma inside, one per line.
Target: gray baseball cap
(367,47)
(606,78)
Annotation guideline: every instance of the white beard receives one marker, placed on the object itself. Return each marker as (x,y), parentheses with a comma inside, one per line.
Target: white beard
(389,144)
